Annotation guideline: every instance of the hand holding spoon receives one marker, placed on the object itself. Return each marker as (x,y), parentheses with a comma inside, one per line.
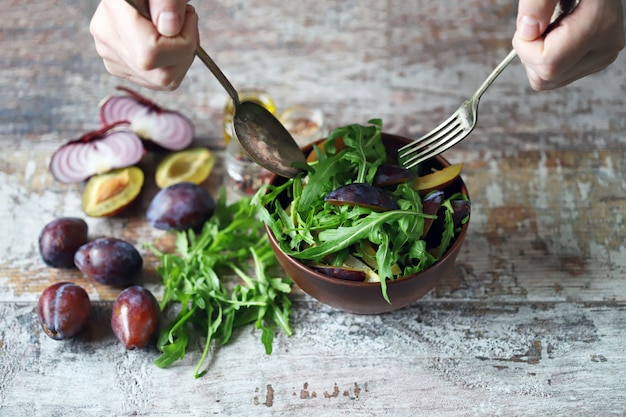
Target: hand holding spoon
(259,132)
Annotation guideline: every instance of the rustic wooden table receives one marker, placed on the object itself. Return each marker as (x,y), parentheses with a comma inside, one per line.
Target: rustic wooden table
(530,322)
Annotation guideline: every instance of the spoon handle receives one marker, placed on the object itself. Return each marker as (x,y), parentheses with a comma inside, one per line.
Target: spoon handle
(204,57)
(217,72)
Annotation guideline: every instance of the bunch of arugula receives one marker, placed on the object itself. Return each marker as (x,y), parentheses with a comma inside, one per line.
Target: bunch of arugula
(195,282)
(314,231)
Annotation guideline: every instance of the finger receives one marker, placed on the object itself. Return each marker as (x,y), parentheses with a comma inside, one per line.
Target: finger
(590,63)
(165,52)
(168,16)
(104,39)
(144,49)
(533,17)
(190,28)
(162,79)
(170,78)
(564,48)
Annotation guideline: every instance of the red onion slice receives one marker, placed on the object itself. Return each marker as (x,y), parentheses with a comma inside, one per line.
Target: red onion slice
(96,152)
(167,128)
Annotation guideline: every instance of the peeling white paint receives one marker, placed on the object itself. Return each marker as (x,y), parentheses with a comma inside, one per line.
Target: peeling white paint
(606,173)
(539,182)
(584,189)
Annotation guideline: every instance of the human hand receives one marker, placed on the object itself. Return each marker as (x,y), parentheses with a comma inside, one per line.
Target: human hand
(155,54)
(586,41)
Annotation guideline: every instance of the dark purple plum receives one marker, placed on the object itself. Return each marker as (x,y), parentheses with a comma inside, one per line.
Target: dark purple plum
(135,318)
(364,195)
(430,205)
(461,209)
(180,206)
(63,310)
(347,274)
(109,261)
(60,239)
(388,175)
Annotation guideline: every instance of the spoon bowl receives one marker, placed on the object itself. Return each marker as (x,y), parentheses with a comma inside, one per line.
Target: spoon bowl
(263,138)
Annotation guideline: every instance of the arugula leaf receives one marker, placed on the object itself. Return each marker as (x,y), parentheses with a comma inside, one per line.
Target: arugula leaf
(332,240)
(367,151)
(327,169)
(196,283)
(448,231)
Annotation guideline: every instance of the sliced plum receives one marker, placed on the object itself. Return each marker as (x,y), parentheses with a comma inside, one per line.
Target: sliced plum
(437,180)
(388,175)
(430,205)
(461,209)
(363,195)
(341,272)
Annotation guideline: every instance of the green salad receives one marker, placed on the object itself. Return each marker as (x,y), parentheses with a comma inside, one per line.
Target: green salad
(338,216)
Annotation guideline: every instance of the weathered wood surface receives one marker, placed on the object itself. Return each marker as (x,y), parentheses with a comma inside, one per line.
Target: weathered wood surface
(530,322)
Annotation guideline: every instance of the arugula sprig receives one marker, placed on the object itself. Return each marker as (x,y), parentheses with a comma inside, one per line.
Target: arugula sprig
(195,281)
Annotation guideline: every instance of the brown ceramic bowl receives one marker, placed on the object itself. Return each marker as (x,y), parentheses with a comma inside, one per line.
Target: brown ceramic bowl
(366,297)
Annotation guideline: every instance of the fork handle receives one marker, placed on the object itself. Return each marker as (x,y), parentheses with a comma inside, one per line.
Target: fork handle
(494,74)
(564,8)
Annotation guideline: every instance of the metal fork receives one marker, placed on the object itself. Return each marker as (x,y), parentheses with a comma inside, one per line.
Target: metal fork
(458,126)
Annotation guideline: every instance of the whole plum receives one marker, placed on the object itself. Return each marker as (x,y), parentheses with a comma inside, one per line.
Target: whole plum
(180,206)
(135,318)
(63,309)
(59,240)
(109,261)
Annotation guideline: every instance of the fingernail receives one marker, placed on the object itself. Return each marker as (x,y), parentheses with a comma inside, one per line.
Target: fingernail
(528,28)
(169,24)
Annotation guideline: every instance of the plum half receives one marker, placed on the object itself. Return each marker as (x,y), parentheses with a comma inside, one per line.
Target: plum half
(108,194)
(189,165)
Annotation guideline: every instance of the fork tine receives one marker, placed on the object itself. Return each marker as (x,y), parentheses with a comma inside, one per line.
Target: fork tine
(442,146)
(441,137)
(435,138)
(436,142)
(427,138)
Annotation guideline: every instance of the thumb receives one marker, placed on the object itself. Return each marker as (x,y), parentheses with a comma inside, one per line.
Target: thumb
(533,17)
(168,16)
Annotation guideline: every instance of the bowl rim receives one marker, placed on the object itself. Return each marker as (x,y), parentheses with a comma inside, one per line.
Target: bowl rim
(458,239)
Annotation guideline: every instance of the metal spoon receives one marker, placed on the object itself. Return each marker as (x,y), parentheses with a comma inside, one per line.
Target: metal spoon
(259,132)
